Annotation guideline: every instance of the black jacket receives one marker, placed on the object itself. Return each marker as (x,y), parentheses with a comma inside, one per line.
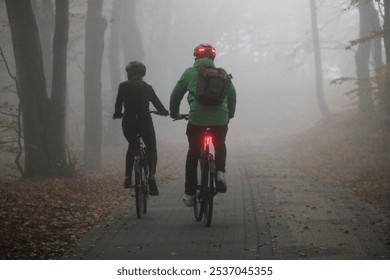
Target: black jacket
(135,96)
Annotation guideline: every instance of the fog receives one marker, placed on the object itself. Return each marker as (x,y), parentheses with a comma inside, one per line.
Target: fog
(266,46)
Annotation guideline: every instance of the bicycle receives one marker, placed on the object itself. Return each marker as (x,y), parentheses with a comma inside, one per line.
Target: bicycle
(206,190)
(141,175)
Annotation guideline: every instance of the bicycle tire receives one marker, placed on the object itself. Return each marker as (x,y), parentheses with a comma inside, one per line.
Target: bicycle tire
(208,205)
(139,195)
(198,205)
(145,185)
(209,193)
(205,193)
(208,211)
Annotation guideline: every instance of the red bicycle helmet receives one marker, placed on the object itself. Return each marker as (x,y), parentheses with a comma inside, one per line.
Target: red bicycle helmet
(205,50)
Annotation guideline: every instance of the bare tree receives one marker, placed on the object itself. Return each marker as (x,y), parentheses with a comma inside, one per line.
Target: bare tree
(377,56)
(44,15)
(318,62)
(112,133)
(160,31)
(15,124)
(57,103)
(31,80)
(131,38)
(386,28)
(94,45)
(362,57)
(43,145)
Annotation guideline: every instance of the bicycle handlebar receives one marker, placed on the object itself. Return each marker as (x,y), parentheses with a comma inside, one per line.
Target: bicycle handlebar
(182,117)
(156,113)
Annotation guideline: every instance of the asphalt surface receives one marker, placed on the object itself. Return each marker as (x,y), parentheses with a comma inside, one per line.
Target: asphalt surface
(271,211)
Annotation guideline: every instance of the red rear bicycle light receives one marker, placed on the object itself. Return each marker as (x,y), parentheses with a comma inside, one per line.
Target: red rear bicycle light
(208,140)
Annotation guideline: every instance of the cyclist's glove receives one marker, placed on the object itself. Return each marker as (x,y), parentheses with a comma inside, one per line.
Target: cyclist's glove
(164,113)
(117,115)
(175,117)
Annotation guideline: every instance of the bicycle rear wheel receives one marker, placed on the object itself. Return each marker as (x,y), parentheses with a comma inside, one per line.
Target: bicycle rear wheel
(209,191)
(199,206)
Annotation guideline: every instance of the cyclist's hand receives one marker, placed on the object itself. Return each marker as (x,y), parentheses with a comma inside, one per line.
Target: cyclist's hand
(175,116)
(164,113)
(117,116)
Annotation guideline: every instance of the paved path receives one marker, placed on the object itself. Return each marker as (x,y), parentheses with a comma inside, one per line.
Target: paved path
(271,211)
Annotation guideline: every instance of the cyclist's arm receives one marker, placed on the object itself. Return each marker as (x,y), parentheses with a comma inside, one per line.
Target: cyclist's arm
(157,103)
(231,101)
(118,103)
(178,93)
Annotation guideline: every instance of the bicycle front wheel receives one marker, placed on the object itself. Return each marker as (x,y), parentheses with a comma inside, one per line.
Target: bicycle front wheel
(139,194)
(145,185)
(208,210)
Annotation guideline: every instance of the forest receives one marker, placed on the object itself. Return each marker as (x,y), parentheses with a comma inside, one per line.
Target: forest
(311,76)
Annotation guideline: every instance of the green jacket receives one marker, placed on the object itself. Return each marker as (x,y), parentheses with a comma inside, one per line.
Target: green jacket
(201,114)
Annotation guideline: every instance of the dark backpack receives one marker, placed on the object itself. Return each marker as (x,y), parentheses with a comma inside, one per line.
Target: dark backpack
(212,85)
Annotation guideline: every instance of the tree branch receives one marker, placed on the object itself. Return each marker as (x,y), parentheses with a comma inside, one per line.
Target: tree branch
(8,114)
(18,116)
(6,64)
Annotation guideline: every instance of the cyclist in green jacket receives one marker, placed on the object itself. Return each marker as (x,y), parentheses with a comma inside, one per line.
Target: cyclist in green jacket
(201,117)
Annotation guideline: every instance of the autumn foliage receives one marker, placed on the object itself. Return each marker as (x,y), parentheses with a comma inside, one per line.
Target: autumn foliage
(42,218)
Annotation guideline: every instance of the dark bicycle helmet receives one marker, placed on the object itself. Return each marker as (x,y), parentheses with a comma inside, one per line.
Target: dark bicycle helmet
(136,68)
(205,50)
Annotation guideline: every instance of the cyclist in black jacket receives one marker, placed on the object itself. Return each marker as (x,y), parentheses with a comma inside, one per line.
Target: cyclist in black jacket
(134,95)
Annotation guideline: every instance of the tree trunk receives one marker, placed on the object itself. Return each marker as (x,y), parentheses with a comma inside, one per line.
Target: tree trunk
(362,57)
(318,62)
(46,19)
(56,127)
(112,134)
(160,31)
(32,86)
(386,110)
(94,46)
(386,28)
(131,38)
(377,58)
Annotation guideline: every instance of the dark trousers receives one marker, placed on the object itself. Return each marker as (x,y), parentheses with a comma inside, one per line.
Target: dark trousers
(195,142)
(148,136)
